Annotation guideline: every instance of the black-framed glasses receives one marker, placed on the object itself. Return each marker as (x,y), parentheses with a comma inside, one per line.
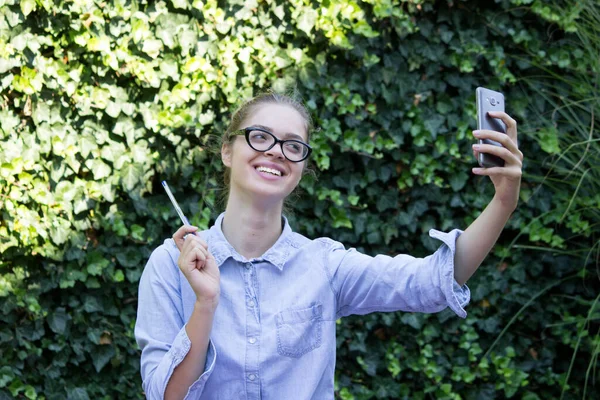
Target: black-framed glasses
(262,140)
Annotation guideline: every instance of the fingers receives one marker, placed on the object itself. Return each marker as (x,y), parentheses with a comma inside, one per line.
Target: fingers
(511,124)
(499,137)
(511,172)
(180,235)
(192,241)
(513,164)
(510,152)
(199,254)
(510,158)
(194,254)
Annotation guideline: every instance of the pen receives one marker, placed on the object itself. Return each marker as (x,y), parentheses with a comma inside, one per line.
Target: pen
(177,208)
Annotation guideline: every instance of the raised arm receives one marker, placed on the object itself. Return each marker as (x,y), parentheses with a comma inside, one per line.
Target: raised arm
(200,269)
(478,239)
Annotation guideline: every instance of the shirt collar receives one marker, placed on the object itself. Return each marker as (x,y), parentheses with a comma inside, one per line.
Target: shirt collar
(277,255)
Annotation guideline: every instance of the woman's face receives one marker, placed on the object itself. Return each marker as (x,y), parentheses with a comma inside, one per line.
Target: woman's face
(268,175)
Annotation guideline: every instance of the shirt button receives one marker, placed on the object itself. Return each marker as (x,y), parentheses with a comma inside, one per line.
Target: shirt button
(248,265)
(251,377)
(252,340)
(251,303)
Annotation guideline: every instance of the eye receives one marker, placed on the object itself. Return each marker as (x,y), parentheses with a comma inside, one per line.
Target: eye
(294,147)
(258,136)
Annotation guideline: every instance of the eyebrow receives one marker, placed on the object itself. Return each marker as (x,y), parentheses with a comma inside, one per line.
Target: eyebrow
(287,135)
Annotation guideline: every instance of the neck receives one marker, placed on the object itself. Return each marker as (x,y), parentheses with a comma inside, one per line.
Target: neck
(251,226)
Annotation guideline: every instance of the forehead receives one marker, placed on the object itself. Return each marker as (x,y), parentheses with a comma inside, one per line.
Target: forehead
(280,118)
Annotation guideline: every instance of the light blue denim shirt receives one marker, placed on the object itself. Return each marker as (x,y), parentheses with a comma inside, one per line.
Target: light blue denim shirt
(273,335)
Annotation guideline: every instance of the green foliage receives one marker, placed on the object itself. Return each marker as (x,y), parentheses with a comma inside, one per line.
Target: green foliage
(100,101)
(572,140)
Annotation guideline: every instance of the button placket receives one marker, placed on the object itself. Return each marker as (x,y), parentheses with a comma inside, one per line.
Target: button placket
(249,279)
(253,330)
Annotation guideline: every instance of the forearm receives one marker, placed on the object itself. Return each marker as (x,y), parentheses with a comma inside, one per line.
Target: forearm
(189,370)
(478,239)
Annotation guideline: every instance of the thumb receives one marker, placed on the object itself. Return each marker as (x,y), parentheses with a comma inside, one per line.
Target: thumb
(179,236)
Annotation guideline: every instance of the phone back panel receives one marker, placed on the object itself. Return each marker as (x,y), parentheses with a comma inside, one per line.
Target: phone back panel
(489,100)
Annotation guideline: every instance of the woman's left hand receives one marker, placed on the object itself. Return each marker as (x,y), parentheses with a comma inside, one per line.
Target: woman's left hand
(506,179)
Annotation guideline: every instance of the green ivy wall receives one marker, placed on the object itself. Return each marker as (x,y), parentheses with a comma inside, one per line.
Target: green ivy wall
(101,100)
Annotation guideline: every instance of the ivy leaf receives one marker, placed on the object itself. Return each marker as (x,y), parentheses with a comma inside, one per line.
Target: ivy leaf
(413,320)
(170,68)
(8,121)
(340,219)
(92,304)
(131,174)
(118,276)
(101,44)
(152,47)
(180,4)
(41,112)
(445,34)
(187,41)
(58,320)
(548,140)
(307,20)
(279,12)
(137,232)
(60,230)
(27,6)
(86,145)
(133,275)
(99,168)
(102,356)
(108,191)
(530,396)
(458,181)
(113,109)
(224,26)
(388,200)
(129,257)
(433,124)
(96,263)
(78,394)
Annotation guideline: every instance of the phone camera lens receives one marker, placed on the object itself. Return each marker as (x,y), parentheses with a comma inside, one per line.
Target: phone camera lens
(493,101)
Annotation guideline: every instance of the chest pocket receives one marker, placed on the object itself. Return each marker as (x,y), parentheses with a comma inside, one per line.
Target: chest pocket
(299,330)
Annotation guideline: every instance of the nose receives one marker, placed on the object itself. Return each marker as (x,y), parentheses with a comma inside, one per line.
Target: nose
(276,151)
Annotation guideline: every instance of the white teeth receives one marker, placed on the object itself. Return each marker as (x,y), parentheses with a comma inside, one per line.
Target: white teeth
(269,170)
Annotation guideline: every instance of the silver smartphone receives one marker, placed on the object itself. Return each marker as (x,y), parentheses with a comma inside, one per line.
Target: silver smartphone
(489,100)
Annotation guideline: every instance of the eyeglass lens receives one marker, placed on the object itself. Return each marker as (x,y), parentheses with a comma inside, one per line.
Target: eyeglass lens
(263,141)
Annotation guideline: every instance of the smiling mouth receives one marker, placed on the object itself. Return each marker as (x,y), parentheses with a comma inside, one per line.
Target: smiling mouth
(269,171)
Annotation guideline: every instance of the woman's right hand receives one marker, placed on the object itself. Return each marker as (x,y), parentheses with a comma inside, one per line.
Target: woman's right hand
(198,265)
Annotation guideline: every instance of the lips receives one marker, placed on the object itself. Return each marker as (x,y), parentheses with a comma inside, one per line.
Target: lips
(270,169)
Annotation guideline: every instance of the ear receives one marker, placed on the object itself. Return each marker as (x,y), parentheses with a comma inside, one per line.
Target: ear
(226,154)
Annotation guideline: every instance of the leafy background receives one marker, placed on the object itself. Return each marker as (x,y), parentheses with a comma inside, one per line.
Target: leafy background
(100,101)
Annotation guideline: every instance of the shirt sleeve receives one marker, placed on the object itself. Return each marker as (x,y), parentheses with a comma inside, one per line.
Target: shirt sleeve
(365,284)
(160,327)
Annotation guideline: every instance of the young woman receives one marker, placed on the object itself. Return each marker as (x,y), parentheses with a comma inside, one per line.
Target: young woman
(247,309)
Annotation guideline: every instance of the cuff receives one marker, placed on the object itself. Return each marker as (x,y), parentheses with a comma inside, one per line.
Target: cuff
(457,297)
(179,348)
(197,387)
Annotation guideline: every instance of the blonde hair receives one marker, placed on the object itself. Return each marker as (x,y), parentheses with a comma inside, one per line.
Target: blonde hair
(251,105)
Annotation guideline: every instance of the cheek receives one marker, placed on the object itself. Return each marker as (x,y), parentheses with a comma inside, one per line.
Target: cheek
(229,152)
(299,172)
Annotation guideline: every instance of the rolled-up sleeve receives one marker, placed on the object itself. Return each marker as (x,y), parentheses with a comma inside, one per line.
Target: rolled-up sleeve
(365,284)
(160,327)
